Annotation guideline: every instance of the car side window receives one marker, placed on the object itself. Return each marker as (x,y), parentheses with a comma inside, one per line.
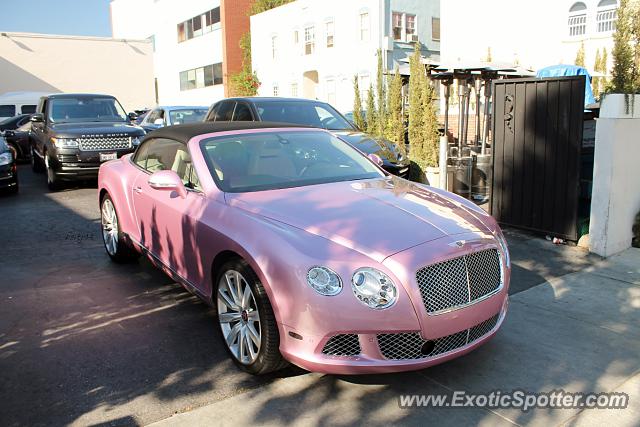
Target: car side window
(225,111)
(211,116)
(183,167)
(161,154)
(242,113)
(140,157)
(7,110)
(28,109)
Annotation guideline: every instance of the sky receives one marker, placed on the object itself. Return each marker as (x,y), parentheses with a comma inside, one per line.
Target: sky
(68,17)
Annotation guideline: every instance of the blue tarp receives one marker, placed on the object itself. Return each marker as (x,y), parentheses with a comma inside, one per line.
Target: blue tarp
(570,70)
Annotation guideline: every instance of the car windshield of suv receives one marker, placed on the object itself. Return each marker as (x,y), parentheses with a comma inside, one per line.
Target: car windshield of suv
(309,113)
(283,159)
(86,109)
(178,117)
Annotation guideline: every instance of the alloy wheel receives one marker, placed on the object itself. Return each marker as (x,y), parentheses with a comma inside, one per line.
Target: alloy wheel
(109,227)
(239,317)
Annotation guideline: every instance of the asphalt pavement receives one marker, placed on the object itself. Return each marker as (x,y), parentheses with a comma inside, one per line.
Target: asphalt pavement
(84,341)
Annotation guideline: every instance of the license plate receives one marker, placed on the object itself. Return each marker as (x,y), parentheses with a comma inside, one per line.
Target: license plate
(108,156)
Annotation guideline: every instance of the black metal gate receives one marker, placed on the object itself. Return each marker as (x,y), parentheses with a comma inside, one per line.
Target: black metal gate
(537,138)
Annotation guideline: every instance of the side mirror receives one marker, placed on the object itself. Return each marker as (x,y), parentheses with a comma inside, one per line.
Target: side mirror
(37,118)
(167,181)
(376,159)
(132,116)
(159,122)
(9,133)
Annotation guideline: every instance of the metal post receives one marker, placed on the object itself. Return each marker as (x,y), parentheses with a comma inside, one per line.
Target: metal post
(444,145)
(487,115)
(477,87)
(461,102)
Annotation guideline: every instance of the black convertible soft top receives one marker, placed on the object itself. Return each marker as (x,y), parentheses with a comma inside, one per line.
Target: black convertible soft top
(184,133)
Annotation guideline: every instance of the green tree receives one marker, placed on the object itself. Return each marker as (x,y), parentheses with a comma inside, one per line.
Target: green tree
(580,56)
(604,61)
(596,82)
(372,115)
(358,120)
(382,110)
(394,130)
(624,71)
(260,6)
(245,82)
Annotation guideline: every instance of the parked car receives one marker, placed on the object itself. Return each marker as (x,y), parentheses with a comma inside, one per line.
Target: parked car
(172,115)
(19,141)
(8,169)
(72,134)
(310,113)
(15,103)
(310,252)
(14,122)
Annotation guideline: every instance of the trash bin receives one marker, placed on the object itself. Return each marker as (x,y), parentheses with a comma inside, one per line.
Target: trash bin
(481,178)
(462,167)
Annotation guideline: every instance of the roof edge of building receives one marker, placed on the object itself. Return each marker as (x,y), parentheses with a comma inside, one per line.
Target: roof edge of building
(10,34)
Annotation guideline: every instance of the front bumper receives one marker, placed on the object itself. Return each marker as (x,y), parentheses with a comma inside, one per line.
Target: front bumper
(72,164)
(398,170)
(371,359)
(8,176)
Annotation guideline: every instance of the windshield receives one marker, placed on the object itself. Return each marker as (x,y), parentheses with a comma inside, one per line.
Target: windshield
(283,159)
(309,113)
(86,109)
(178,117)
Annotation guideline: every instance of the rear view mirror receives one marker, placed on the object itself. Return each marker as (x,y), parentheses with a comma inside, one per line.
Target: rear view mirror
(132,116)
(37,118)
(167,180)
(375,159)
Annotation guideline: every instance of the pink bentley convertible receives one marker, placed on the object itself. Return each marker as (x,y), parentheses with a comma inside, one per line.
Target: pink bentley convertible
(310,252)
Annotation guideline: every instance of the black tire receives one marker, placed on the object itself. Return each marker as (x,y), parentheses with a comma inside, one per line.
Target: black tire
(53,181)
(123,253)
(269,358)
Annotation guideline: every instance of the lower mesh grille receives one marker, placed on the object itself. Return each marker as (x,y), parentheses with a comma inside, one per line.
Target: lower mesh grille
(342,345)
(412,346)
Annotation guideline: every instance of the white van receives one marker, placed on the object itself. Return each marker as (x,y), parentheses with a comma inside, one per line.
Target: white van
(14,103)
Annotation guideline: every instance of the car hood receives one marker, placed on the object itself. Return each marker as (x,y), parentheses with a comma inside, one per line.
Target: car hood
(377,217)
(63,130)
(371,145)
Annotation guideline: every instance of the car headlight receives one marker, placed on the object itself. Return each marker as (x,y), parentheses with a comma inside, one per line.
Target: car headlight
(503,245)
(65,142)
(6,158)
(373,288)
(324,281)
(135,141)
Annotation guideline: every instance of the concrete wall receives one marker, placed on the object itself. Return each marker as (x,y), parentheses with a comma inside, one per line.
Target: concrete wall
(534,34)
(36,62)
(616,176)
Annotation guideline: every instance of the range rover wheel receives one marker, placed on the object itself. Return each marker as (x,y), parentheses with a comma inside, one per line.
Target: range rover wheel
(114,242)
(36,164)
(53,182)
(246,319)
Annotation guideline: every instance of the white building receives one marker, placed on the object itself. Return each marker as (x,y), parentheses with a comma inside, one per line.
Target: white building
(54,63)
(534,35)
(313,49)
(194,50)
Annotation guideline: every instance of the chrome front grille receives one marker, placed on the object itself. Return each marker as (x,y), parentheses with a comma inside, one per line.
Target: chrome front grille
(459,281)
(105,143)
(342,345)
(407,346)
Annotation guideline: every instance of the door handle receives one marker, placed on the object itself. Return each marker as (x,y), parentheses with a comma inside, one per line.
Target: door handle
(137,190)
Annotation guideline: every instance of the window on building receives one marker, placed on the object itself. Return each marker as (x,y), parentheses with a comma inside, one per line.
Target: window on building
(200,77)
(294,89)
(410,21)
(309,40)
(435,29)
(578,19)
(198,25)
(274,47)
(296,37)
(396,25)
(329,30)
(275,90)
(364,26)
(363,85)
(606,16)
(182,36)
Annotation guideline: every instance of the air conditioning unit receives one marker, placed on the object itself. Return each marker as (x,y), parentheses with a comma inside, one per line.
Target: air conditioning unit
(413,38)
